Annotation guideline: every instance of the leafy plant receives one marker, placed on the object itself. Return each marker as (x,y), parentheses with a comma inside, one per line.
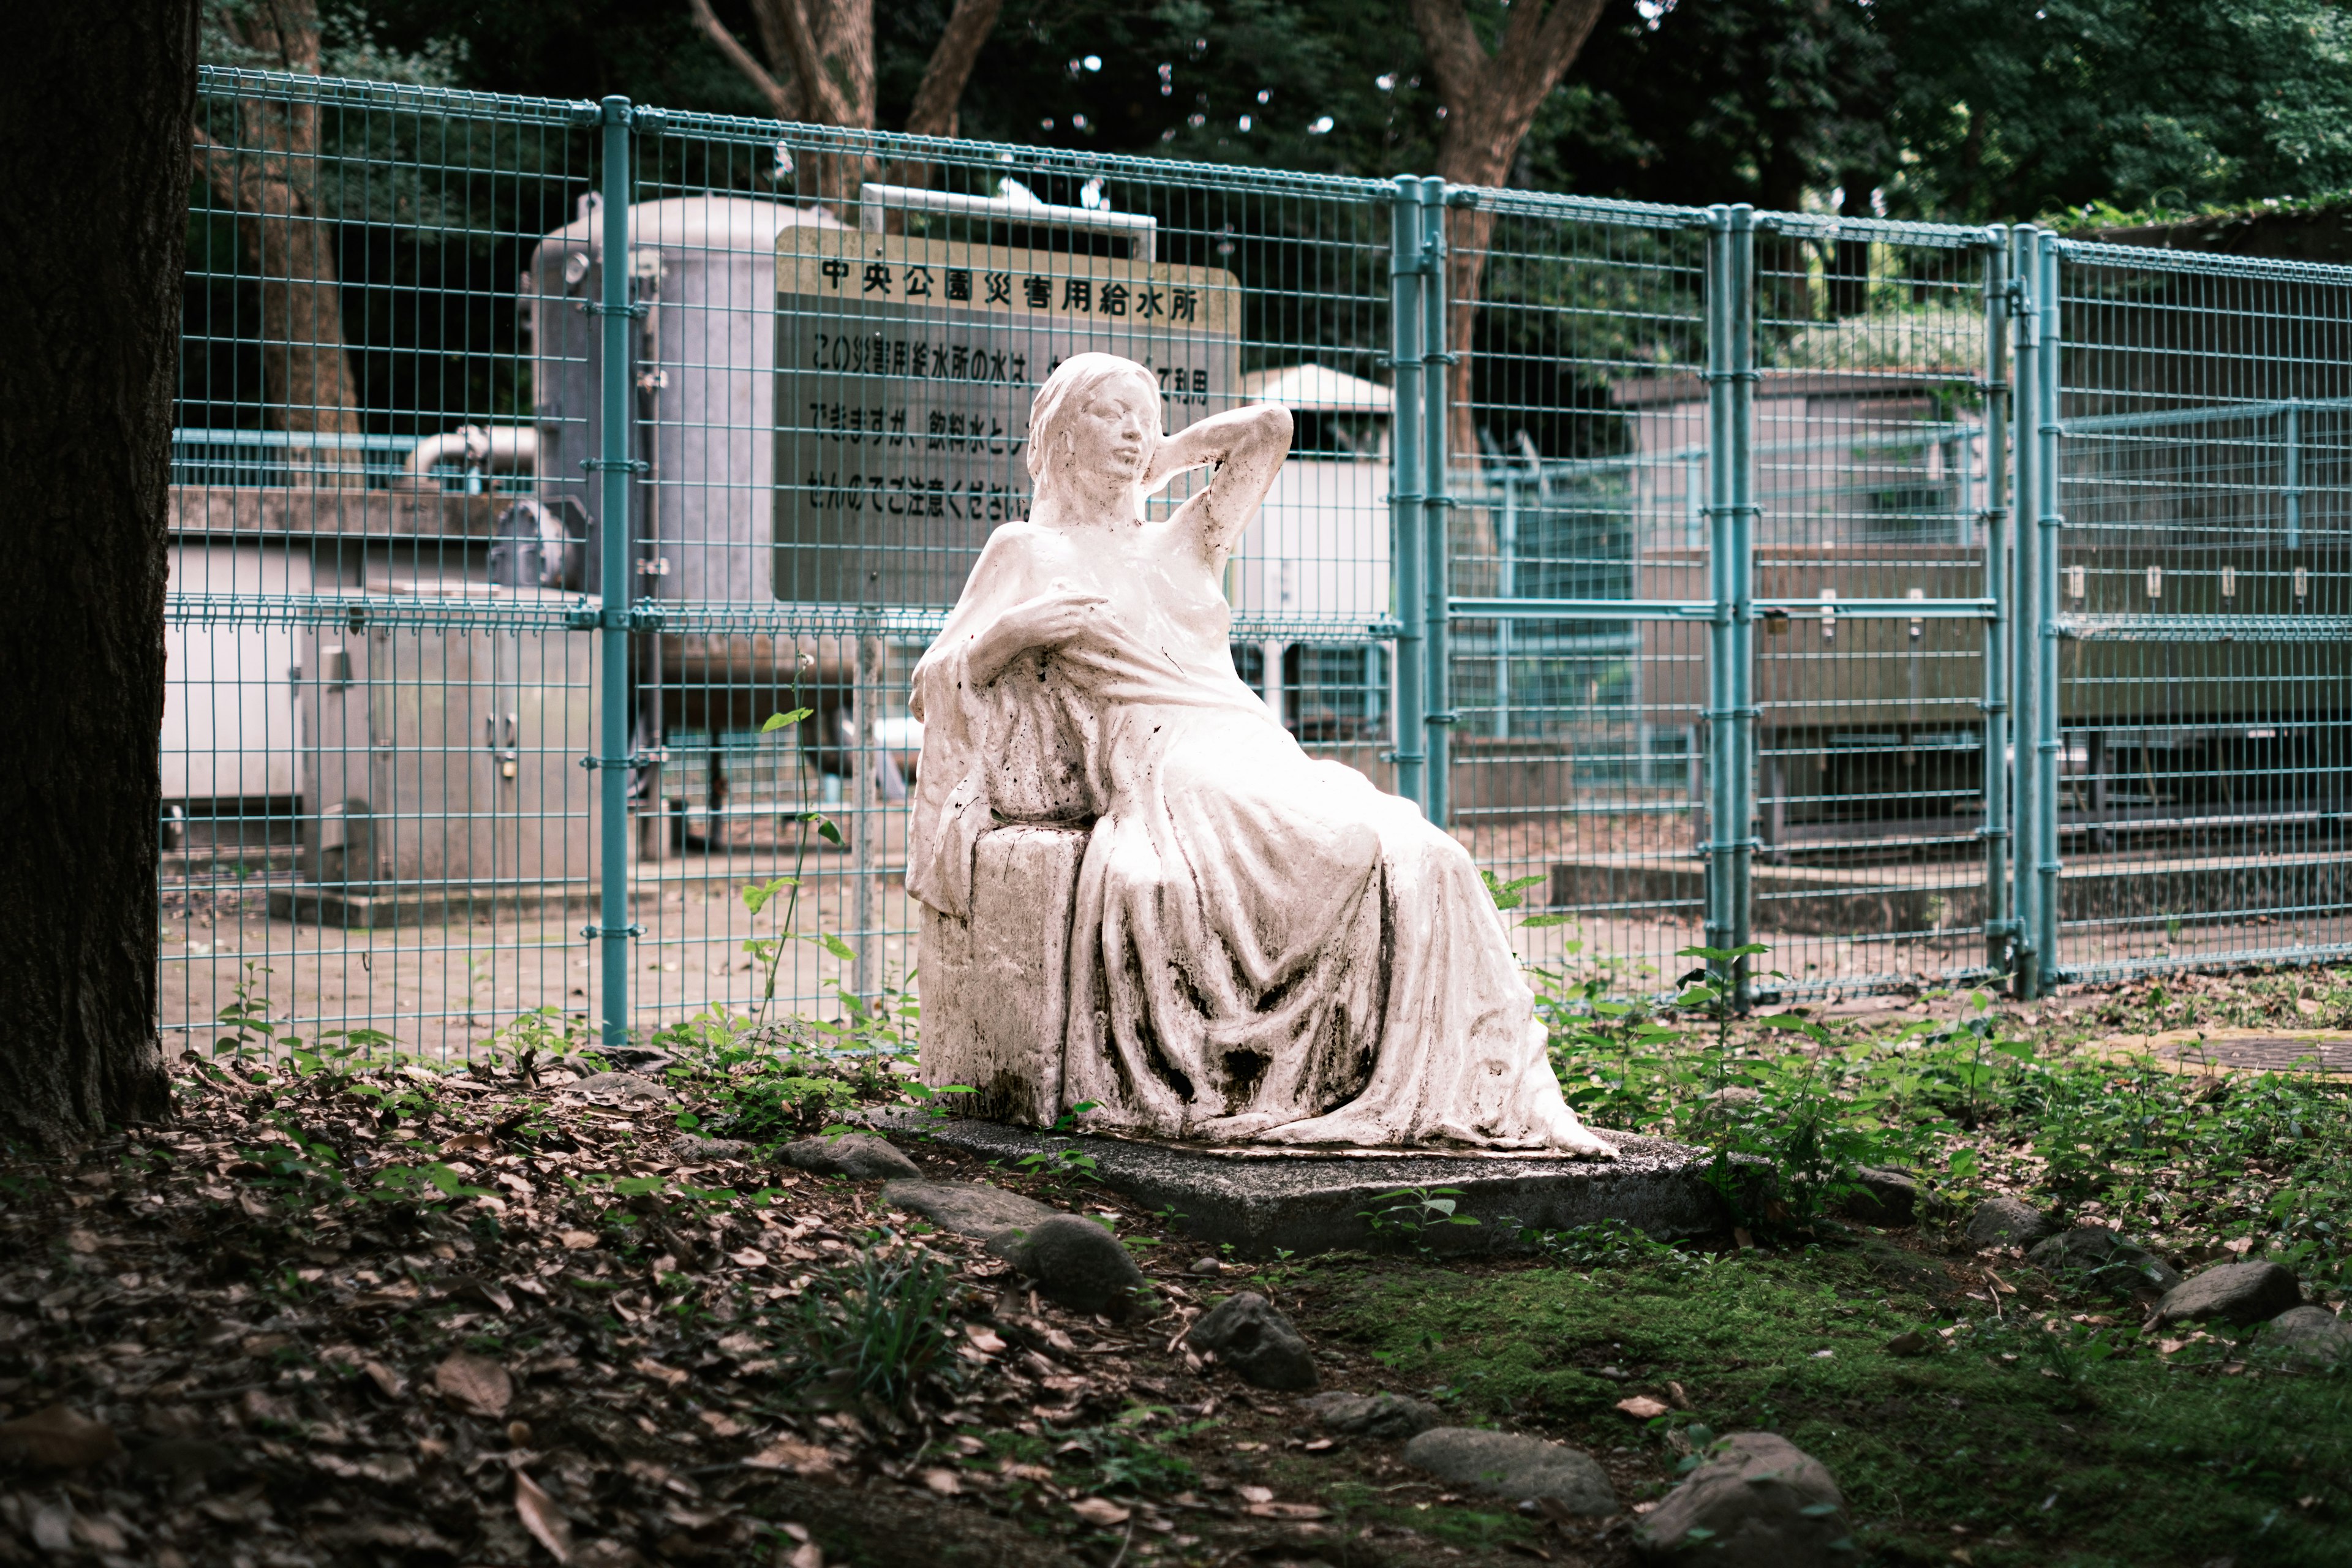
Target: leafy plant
(878,1325)
(1410,1212)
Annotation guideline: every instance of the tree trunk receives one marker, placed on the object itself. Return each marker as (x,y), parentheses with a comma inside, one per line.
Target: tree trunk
(270,178)
(820,67)
(96,187)
(1491,100)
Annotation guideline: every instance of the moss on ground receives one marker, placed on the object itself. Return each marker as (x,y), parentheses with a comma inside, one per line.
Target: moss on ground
(2007,1442)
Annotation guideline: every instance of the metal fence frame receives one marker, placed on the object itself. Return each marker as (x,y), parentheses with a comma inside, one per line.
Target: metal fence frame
(2020,613)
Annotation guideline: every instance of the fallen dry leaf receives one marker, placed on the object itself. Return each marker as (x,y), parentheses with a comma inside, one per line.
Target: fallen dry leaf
(667,1375)
(388,1382)
(721,1422)
(82,1241)
(474,1383)
(543,1518)
(1255,1494)
(983,1339)
(749,1258)
(801,1459)
(56,1439)
(577,1240)
(466,1141)
(943,1482)
(1101,1512)
(1677,1396)
(1286,1510)
(1642,1407)
(807,1555)
(741,1344)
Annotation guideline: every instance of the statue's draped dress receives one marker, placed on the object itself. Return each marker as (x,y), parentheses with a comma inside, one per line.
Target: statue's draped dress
(1265,946)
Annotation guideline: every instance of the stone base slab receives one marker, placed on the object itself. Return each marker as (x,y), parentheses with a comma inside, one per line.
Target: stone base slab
(1261,1199)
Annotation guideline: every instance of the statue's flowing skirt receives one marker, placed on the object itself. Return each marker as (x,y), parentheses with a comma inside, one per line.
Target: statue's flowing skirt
(1266,947)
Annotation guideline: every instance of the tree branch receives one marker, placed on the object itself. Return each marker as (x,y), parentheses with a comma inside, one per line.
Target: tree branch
(782,100)
(934,113)
(827,104)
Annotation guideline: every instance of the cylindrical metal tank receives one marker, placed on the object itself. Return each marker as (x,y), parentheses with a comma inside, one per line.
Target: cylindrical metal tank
(703,271)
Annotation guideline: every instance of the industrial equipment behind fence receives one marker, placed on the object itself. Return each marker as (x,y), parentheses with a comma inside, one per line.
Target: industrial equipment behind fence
(1930,604)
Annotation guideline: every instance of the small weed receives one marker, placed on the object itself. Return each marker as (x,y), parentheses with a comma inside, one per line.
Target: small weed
(876,1326)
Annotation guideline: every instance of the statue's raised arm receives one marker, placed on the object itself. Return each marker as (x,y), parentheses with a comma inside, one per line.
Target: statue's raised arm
(1246,447)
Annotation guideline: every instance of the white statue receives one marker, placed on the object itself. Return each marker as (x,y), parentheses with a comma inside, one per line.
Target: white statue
(1264,948)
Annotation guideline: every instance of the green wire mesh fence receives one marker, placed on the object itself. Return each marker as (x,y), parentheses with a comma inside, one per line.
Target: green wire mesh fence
(564,493)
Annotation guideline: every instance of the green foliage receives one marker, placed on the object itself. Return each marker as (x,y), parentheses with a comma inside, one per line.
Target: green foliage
(1407,1213)
(876,1326)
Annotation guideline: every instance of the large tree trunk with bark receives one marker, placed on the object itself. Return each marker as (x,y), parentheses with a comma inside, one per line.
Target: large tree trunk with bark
(95,185)
(1491,100)
(267,172)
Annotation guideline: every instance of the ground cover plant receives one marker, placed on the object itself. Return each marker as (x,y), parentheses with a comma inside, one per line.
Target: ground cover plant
(558,1305)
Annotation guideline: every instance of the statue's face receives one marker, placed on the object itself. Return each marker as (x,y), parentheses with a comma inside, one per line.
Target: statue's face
(1114,433)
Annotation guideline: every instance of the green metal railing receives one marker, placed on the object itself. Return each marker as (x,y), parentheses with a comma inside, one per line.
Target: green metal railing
(1930,604)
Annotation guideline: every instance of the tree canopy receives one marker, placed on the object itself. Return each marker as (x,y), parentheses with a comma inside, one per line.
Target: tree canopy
(1969,110)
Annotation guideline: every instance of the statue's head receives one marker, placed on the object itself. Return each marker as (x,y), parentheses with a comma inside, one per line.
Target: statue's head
(1094,423)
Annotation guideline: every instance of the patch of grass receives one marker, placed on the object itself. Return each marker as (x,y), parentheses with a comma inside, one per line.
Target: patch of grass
(2080,1445)
(875,1327)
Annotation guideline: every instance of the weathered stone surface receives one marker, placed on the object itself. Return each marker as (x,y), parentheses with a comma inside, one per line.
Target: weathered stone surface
(687,1146)
(858,1155)
(2007,1222)
(1506,1465)
(2103,1258)
(618,1089)
(997,984)
(2239,1293)
(1260,1199)
(1765,1503)
(1251,1335)
(1882,1197)
(1391,1417)
(1073,1261)
(2312,1337)
(968,1209)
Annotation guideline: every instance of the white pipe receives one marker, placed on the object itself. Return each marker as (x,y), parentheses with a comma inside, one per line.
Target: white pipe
(510,449)
(1140,230)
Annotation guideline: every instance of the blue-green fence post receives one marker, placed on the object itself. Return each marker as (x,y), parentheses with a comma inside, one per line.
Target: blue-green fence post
(613,460)
(1436,550)
(1721,591)
(2049,522)
(2026,599)
(1406,452)
(1740,775)
(2001,927)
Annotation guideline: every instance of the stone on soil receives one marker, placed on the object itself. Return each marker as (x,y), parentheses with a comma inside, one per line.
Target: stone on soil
(2314,1338)
(1765,1503)
(2007,1222)
(617,1088)
(858,1155)
(2239,1293)
(1250,1335)
(968,1209)
(1506,1465)
(687,1146)
(1882,1197)
(1073,1261)
(1390,1418)
(2104,1258)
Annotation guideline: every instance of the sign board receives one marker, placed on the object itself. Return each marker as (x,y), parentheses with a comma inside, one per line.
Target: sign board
(904,372)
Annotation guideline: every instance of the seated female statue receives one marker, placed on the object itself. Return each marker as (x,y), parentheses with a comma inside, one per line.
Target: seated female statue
(1265,948)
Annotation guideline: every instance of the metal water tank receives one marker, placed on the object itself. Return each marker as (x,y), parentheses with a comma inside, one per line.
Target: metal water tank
(703,267)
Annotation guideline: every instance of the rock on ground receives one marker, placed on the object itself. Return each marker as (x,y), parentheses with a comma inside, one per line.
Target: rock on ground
(687,1146)
(1250,1335)
(859,1155)
(617,1088)
(968,1209)
(1390,1418)
(2007,1222)
(1506,1465)
(1765,1503)
(2106,1259)
(1882,1197)
(1073,1261)
(2312,1337)
(2239,1293)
